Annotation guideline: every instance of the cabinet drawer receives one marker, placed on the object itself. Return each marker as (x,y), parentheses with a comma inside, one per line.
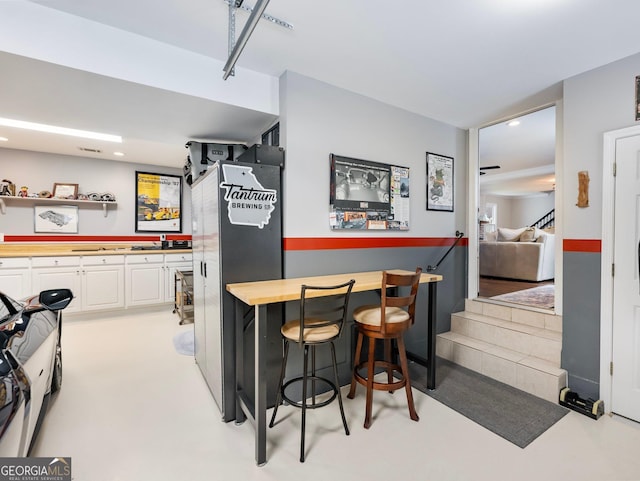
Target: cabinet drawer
(145,259)
(55,261)
(102,260)
(178,257)
(13,263)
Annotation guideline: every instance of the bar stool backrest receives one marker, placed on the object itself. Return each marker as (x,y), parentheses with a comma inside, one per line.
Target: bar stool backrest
(319,310)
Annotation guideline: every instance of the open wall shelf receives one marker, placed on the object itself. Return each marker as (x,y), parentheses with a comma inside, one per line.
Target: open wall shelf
(4,200)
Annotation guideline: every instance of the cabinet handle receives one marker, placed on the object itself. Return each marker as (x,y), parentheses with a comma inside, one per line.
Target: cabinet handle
(205,269)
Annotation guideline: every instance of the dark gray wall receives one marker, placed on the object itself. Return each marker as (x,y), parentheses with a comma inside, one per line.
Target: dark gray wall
(581,322)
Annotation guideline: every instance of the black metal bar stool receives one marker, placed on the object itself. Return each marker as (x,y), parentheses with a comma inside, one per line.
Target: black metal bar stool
(323,312)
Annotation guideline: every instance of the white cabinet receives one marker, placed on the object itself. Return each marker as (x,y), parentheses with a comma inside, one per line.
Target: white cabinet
(145,276)
(102,282)
(58,273)
(15,277)
(98,282)
(173,262)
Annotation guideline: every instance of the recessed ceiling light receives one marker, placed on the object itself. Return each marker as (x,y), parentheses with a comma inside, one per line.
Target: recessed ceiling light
(119,154)
(3,139)
(513,123)
(54,129)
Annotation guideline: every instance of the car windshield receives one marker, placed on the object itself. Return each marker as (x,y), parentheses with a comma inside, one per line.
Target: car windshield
(8,308)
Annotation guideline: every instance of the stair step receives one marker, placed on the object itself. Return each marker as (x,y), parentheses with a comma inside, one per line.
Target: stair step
(518,347)
(523,338)
(534,375)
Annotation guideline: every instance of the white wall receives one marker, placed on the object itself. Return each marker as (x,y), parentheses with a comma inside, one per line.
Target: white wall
(594,102)
(317,119)
(527,210)
(39,171)
(515,212)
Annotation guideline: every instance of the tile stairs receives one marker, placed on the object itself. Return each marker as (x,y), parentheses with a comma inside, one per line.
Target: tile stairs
(518,347)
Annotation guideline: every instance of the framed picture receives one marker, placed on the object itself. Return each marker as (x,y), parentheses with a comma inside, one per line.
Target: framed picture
(60,219)
(638,98)
(439,182)
(158,202)
(367,195)
(65,191)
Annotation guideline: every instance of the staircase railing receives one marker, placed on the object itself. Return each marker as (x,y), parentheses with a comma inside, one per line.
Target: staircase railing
(459,235)
(547,220)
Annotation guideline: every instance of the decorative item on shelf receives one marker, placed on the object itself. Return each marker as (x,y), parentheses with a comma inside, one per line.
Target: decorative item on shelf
(83,197)
(7,188)
(65,191)
(44,194)
(24,191)
(97,197)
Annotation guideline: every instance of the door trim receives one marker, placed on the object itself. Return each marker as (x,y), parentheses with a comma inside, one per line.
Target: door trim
(606,258)
(473,201)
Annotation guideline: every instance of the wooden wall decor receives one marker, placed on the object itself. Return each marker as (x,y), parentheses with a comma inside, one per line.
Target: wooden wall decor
(583,189)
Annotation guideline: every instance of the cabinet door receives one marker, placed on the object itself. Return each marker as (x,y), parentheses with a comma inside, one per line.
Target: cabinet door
(144,280)
(59,278)
(102,287)
(15,277)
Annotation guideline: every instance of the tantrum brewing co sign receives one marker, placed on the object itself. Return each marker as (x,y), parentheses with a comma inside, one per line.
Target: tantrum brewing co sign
(248,202)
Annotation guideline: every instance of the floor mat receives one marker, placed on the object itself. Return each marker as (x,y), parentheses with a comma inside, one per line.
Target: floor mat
(542,297)
(515,415)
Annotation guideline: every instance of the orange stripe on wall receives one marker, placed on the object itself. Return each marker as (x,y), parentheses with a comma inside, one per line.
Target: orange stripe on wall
(582,245)
(322,243)
(92,238)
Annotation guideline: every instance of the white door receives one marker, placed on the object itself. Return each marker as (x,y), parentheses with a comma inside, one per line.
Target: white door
(625,398)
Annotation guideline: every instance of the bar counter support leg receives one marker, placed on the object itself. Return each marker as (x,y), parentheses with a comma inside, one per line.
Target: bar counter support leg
(431,333)
(261,383)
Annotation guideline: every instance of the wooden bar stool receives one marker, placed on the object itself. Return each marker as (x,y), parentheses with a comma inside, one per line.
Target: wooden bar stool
(387,321)
(322,317)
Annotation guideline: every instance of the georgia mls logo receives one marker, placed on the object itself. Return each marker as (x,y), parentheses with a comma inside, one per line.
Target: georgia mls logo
(248,202)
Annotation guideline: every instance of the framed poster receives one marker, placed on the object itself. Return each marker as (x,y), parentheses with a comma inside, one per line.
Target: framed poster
(439,182)
(367,195)
(638,98)
(158,202)
(59,219)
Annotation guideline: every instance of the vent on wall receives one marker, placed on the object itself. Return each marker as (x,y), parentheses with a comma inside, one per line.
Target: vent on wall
(87,149)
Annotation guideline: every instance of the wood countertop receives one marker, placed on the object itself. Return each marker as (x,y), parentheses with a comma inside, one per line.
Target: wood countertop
(65,250)
(280,290)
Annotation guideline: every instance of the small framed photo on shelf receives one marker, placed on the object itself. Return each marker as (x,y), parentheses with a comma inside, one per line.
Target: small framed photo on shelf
(65,191)
(59,219)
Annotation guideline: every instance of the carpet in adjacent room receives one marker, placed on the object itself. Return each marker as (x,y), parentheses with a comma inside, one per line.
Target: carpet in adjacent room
(541,296)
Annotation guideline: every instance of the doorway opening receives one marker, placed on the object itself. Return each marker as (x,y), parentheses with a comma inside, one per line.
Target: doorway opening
(516,210)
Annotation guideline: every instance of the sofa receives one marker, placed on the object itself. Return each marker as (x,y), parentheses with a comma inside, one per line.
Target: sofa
(526,254)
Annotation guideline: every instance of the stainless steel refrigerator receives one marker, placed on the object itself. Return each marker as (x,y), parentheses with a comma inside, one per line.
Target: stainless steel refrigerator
(237,237)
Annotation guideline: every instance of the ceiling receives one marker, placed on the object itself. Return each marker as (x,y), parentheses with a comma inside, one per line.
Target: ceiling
(524,153)
(460,62)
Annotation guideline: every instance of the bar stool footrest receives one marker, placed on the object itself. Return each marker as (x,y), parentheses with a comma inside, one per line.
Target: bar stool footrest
(381,386)
(313,405)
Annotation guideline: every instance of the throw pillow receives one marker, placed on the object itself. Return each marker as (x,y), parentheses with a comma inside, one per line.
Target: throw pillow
(529,235)
(509,235)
